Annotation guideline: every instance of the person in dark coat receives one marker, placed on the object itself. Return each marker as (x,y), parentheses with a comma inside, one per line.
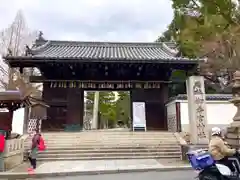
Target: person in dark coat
(34,150)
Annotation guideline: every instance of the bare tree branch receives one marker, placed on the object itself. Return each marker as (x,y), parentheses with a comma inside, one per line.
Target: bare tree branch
(14,38)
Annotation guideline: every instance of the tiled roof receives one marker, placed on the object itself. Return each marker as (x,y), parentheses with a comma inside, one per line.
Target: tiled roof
(209,97)
(165,52)
(172,45)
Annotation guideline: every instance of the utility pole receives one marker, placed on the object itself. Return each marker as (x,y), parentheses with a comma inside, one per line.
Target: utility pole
(95,110)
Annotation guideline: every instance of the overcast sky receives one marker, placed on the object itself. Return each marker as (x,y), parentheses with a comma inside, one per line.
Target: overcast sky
(88,20)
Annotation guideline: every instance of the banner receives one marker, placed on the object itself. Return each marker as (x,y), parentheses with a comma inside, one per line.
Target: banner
(2,143)
(139,116)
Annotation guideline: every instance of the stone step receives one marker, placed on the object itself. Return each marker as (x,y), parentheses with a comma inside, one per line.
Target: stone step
(125,154)
(60,145)
(109,143)
(108,132)
(96,145)
(101,151)
(107,138)
(175,157)
(173,146)
(109,135)
(107,146)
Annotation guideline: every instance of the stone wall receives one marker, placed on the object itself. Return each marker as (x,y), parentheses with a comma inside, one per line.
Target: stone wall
(13,154)
(172,117)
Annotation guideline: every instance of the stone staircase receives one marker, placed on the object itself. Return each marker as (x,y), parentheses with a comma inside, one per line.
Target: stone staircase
(98,145)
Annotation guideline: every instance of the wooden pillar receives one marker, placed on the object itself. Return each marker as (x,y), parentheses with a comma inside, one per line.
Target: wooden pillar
(75,109)
(155,106)
(26,120)
(164,95)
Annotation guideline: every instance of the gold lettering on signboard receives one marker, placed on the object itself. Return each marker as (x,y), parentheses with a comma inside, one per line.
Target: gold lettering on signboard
(100,86)
(71,85)
(74,84)
(130,85)
(84,85)
(138,85)
(150,85)
(153,85)
(103,85)
(145,86)
(89,85)
(119,85)
(111,85)
(106,85)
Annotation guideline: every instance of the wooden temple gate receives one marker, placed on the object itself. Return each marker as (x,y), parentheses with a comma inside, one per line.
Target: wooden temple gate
(68,68)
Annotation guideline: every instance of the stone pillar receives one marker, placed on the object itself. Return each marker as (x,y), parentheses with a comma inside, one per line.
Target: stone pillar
(197,110)
(95,110)
(233,132)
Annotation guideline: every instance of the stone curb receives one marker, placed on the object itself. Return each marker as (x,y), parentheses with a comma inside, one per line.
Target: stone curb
(25,175)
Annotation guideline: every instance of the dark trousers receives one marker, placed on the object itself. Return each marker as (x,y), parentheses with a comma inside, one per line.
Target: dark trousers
(33,162)
(227,163)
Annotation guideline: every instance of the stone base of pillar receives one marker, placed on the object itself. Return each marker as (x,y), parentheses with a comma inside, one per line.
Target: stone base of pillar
(233,136)
(233,132)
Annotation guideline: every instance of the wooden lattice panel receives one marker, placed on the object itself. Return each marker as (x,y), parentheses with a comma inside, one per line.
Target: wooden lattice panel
(32,125)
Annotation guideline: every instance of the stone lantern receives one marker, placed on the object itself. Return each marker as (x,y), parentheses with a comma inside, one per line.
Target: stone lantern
(233,132)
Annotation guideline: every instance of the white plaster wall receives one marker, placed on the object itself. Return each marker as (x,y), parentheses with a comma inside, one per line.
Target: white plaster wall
(219,113)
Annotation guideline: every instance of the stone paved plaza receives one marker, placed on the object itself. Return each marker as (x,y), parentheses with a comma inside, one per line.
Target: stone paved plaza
(100,165)
(175,175)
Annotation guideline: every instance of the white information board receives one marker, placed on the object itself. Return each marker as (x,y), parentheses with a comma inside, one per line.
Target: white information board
(139,116)
(18,121)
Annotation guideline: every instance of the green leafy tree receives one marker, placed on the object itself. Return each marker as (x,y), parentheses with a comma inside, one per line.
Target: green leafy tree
(107,107)
(89,101)
(123,107)
(204,28)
